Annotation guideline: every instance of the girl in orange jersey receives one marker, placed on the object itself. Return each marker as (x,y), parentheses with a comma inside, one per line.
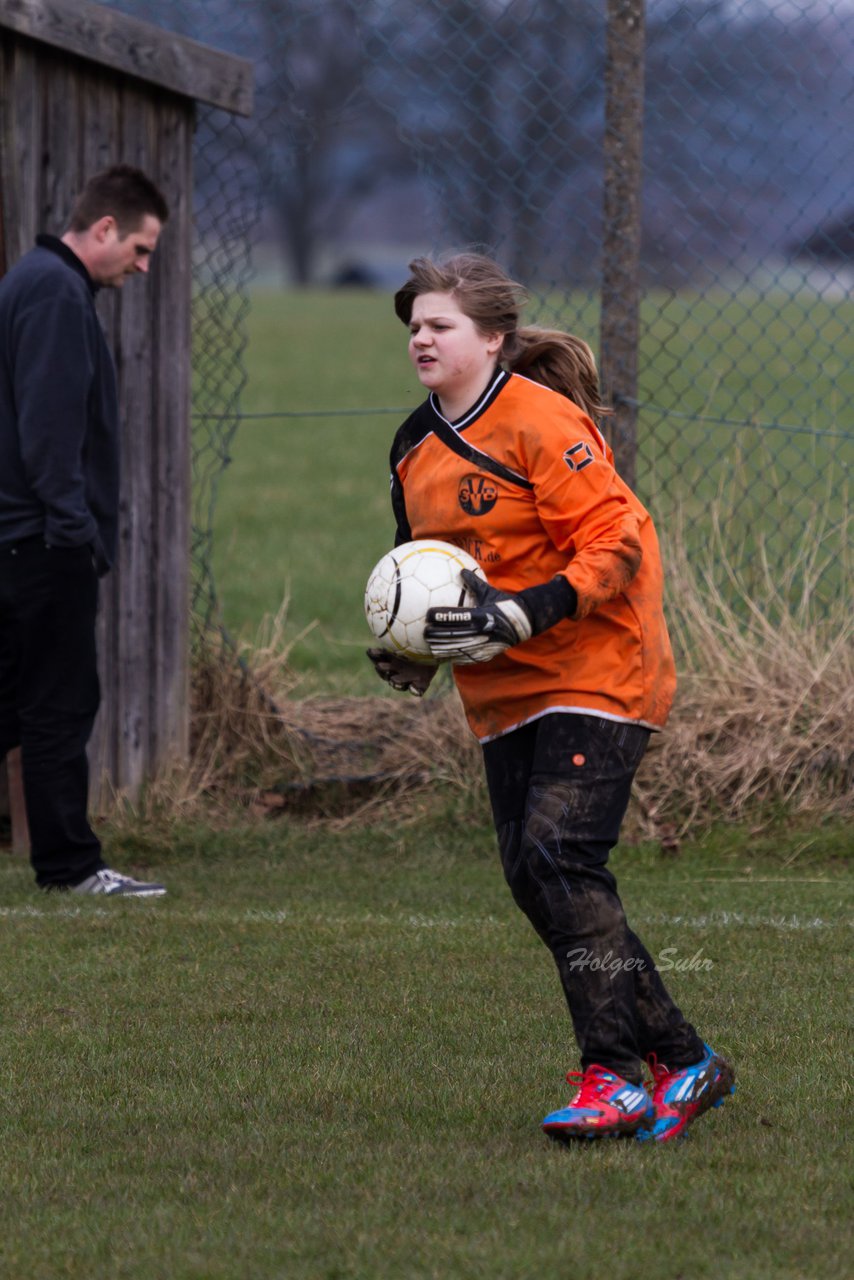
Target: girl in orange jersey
(563,665)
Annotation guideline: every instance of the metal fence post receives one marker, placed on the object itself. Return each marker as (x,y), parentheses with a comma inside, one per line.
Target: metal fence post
(619,325)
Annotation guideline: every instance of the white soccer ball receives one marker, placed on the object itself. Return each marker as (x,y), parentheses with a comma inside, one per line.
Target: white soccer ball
(408,581)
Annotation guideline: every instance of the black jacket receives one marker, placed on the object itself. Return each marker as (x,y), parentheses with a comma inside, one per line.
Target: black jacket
(59,427)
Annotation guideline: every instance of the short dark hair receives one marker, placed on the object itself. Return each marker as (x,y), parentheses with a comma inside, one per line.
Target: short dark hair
(126,193)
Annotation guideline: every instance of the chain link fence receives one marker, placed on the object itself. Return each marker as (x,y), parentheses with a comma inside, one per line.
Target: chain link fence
(222,271)
(483,123)
(746,394)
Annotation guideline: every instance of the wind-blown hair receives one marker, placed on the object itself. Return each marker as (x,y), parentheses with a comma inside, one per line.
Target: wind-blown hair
(494,302)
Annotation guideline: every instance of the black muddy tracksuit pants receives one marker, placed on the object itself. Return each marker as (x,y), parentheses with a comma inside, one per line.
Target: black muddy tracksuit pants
(559,788)
(49,696)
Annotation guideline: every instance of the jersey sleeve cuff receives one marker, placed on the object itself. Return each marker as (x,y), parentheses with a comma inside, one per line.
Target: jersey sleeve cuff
(549,603)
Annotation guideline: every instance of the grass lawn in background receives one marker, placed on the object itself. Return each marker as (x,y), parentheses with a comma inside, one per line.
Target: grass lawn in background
(303,509)
(326,1054)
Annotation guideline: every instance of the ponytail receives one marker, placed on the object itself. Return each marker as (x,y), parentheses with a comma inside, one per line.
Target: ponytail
(558,360)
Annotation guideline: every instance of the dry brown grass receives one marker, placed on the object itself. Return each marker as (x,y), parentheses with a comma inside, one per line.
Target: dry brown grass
(765,707)
(763,719)
(257,749)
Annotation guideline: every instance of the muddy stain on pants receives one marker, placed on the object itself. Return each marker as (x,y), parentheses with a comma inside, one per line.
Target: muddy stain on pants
(559,789)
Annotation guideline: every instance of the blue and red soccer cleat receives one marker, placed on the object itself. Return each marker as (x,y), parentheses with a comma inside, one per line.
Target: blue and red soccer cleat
(605,1105)
(681,1096)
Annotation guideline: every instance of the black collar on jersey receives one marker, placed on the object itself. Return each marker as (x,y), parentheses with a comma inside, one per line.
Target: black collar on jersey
(499,379)
(424,420)
(69,257)
(450,433)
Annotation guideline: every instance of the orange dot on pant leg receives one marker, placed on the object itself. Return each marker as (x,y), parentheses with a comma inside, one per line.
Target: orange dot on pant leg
(579,759)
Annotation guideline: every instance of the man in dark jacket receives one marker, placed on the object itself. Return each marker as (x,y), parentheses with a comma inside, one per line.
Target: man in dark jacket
(59,500)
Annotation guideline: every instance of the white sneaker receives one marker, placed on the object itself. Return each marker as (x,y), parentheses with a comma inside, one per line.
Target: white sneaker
(113,883)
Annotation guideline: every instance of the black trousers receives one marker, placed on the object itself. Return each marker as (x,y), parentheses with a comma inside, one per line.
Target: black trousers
(49,696)
(559,789)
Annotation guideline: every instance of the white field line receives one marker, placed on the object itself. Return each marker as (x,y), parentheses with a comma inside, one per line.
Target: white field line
(740,880)
(717,919)
(743,920)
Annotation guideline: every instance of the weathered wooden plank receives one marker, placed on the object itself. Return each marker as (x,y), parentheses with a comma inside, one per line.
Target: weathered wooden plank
(10,160)
(7,155)
(101,115)
(137,48)
(171,356)
(17,803)
(102,750)
(61,141)
(101,147)
(22,179)
(132,691)
(12,803)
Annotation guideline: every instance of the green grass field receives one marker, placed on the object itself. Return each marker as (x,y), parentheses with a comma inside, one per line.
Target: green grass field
(303,509)
(326,1055)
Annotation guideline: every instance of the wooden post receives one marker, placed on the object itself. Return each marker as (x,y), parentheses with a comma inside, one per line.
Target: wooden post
(620,326)
(17,808)
(134,48)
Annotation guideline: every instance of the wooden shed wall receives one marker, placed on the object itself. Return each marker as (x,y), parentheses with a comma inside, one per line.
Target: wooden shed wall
(64,118)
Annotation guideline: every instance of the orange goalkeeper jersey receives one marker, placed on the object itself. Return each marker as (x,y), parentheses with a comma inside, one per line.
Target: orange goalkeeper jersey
(526,484)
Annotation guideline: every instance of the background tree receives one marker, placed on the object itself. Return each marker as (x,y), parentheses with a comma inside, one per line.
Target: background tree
(320,144)
(494,108)
(501,102)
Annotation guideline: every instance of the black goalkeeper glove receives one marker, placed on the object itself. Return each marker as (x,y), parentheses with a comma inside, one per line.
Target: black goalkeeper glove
(401,673)
(495,622)
(498,619)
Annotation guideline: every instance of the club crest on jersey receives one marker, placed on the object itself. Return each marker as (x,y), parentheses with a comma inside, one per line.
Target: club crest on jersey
(477,495)
(578,457)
